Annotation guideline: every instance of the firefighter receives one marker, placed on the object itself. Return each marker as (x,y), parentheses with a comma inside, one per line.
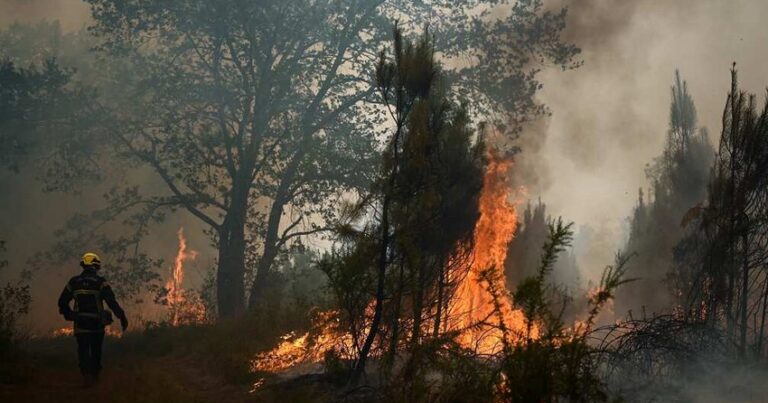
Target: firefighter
(89,291)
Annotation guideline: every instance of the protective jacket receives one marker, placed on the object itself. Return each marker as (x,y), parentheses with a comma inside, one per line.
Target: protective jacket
(89,292)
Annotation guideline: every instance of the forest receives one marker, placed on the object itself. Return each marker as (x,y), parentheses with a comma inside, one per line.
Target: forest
(345,201)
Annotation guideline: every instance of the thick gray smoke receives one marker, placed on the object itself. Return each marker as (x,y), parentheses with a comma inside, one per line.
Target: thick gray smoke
(610,117)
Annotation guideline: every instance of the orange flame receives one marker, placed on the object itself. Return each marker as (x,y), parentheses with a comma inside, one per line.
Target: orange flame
(183,306)
(63,332)
(293,350)
(474,308)
(475,313)
(70,331)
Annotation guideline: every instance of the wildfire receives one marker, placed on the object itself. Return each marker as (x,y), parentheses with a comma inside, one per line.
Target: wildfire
(184,306)
(63,332)
(294,350)
(482,321)
(474,308)
(70,331)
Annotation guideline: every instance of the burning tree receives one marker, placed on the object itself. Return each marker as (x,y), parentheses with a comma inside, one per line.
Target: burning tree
(425,204)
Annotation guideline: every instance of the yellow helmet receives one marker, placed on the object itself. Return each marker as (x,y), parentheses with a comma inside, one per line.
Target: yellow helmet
(90,259)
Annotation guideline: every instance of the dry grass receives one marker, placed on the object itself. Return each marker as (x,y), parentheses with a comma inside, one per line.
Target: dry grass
(159,364)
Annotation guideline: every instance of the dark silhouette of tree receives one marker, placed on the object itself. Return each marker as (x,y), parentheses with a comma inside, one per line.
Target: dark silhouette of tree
(424,204)
(41,112)
(720,264)
(524,253)
(15,298)
(678,183)
(52,131)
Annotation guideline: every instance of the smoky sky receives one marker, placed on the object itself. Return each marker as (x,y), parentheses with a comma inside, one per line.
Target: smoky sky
(72,14)
(610,117)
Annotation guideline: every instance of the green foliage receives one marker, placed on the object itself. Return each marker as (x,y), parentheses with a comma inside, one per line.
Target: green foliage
(297,288)
(524,254)
(532,293)
(351,281)
(32,44)
(554,362)
(613,276)
(53,127)
(14,303)
(40,110)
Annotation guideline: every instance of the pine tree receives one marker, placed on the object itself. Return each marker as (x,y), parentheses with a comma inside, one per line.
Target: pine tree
(678,181)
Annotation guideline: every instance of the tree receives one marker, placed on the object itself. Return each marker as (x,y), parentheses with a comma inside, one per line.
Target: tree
(14,303)
(721,261)
(258,117)
(37,105)
(678,182)
(424,207)
(525,249)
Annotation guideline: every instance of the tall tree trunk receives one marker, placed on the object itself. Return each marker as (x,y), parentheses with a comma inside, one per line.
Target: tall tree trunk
(397,301)
(744,298)
(271,236)
(733,135)
(271,248)
(762,321)
(230,290)
(440,298)
(380,283)
(382,260)
(418,306)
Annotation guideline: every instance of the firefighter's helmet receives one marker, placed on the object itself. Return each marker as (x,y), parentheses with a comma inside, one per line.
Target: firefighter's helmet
(90,259)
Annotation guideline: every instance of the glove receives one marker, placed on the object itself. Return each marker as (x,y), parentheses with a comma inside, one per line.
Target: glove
(124,323)
(69,316)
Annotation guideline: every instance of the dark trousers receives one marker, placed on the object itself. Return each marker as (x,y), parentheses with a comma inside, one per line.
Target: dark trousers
(89,352)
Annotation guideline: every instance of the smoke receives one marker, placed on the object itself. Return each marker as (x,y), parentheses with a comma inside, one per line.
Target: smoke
(32,216)
(610,117)
(72,14)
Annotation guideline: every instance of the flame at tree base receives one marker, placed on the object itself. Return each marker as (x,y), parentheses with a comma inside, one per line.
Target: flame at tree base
(481,311)
(311,347)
